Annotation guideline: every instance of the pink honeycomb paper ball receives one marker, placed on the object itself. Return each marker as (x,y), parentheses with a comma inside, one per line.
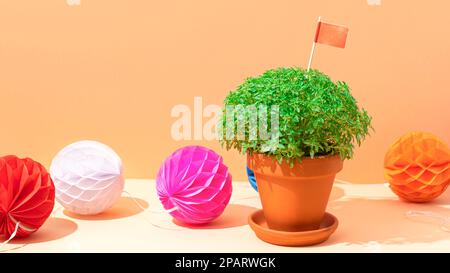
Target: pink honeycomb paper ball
(194,185)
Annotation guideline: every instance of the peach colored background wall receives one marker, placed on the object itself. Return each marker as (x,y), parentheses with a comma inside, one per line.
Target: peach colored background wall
(113,70)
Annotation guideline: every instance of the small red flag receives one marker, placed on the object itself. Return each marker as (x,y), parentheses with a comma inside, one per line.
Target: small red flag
(330,34)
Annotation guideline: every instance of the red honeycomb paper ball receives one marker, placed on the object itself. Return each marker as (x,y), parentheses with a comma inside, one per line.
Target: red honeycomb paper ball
(417,167)
(27,195)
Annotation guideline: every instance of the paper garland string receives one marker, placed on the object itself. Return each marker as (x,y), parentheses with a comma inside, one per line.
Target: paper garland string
(13,235)
(443,221)
(150,220)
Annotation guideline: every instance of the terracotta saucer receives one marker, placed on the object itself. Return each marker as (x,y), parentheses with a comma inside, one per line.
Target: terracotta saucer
(301,238)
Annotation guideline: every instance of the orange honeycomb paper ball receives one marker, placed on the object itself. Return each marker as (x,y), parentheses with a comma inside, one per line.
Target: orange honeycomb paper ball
(417,167)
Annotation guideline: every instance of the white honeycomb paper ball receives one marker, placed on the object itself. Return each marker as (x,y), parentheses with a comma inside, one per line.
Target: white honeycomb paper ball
(88,177)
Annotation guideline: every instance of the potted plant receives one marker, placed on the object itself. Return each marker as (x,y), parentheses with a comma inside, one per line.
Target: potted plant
(319,123)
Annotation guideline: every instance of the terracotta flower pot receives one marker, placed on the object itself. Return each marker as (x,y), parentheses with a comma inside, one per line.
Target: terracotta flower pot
(294,199)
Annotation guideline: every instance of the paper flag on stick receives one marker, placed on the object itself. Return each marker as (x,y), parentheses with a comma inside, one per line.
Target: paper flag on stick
(330,34)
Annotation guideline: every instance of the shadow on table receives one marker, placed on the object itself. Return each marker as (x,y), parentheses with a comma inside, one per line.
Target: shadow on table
(384,221)
(234,216)
(444,199)
(336,193)
(53,229)
(125,207)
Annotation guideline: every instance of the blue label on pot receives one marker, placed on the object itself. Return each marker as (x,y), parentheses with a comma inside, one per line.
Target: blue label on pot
(251,178)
